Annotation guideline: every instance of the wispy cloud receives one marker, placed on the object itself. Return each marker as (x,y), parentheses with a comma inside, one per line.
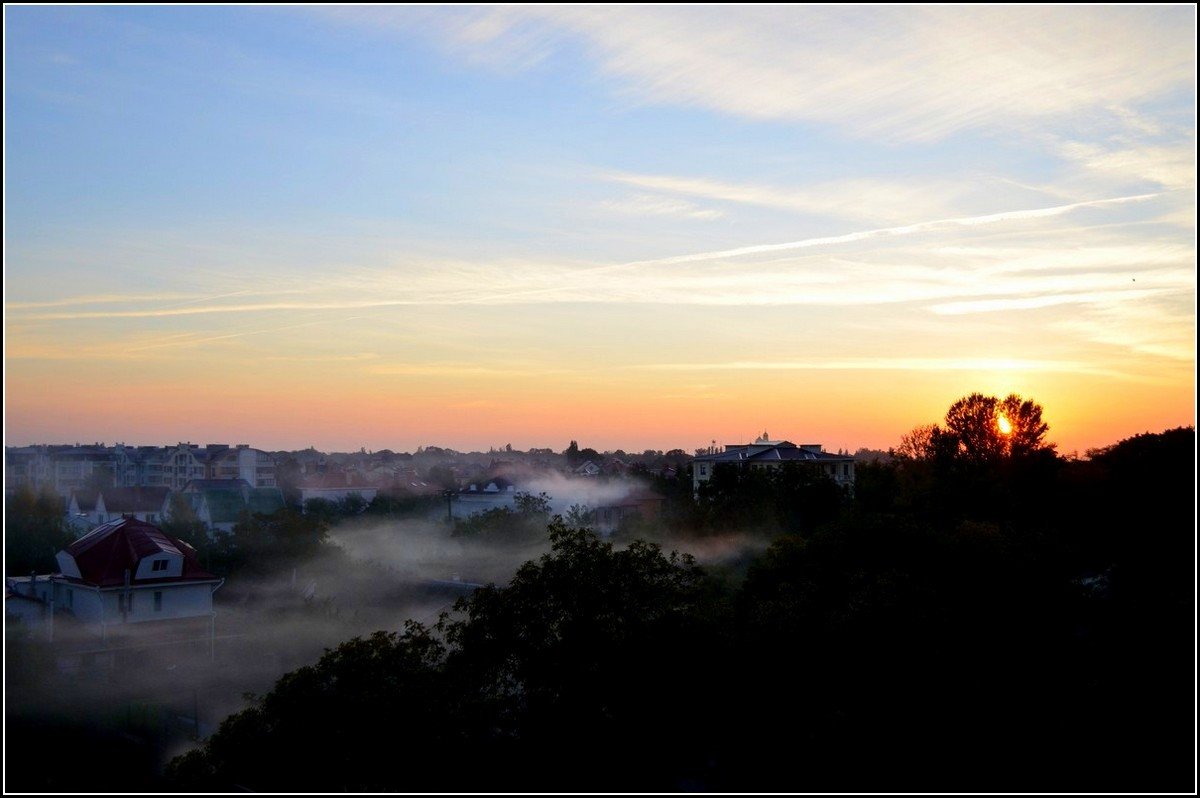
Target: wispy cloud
(1165,328)
(1170,166)
(316,358)
(258,307)
(197,340)
(858,199)
(1046,301)
(906,73)
(464,370)
(100,299)
(650,205)
(891,364)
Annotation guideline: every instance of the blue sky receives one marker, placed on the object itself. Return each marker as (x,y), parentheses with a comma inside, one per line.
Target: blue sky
(470,218)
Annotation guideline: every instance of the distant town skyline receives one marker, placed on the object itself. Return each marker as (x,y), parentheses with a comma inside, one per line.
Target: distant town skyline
(640,227)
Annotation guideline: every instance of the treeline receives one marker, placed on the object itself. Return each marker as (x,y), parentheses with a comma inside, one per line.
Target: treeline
(35,530)
(976,617)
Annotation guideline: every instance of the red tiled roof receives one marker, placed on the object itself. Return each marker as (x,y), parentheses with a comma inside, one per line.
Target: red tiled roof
(104,554)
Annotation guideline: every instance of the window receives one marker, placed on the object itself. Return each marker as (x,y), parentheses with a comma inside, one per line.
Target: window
(703,470)
(123,605)
(159,565)
(70,598)
(158,601)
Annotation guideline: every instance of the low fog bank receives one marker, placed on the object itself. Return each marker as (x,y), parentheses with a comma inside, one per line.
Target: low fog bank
(419,552)
(565,492)
(371,575)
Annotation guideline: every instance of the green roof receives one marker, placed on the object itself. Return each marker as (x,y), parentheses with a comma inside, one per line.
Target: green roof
(224,506)
(264,500)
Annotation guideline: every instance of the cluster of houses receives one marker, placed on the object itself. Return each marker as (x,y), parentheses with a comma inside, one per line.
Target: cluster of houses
(217,503)
(123,569)
(64,469)
(100,483)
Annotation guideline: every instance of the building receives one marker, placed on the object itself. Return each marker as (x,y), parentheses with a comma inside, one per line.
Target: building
(64,469)
(769,454)
(241,462)
(85,510)
(484,494)
(642,503)
(175,466)
(75,467)
(122,572)
(27,467)
(336,487)
(219,503)
(89,508)
(144,504)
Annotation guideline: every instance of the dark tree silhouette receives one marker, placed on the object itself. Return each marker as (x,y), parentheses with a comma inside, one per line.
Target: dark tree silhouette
(918,444)
(988,429)
(526,686)
(1027,430)
(34,531)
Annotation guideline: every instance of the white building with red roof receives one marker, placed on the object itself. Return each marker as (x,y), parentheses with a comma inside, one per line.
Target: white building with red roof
(125,571)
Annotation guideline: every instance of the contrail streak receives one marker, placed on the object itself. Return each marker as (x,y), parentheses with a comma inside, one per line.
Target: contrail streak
(474,297)
(965,221)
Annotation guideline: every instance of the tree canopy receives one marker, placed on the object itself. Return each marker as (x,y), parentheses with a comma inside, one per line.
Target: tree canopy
(525,682)
(986,428)
(35,530)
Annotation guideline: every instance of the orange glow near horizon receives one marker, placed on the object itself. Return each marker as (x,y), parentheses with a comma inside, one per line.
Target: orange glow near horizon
(343,406)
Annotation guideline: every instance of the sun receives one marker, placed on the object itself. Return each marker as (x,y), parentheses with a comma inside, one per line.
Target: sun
(1004,425)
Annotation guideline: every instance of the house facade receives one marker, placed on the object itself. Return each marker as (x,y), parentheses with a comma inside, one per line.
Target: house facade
(254,466)
(768,454)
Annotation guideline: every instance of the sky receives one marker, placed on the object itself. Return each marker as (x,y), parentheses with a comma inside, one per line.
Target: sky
(635,227)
